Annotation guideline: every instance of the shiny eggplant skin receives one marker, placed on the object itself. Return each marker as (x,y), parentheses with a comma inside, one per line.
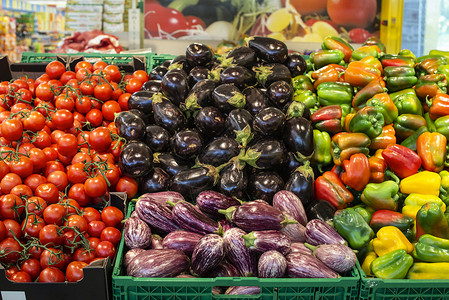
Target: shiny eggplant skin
(198,74)
(130,126)
(141,100)
(237,120)
(243,56)
(147,119)
(266,154)
(301,183)
(289,203)
(210,121)
(167,162)
(272,264)
(321,210)
(233,180)
(167,114)
(268,73)
(298,136)
(300,248)
(228,97)
(264,185)
(301,265)
(157,73)
(155,214)
(190,218)
(266,240)
(268,49)
(338,257)
(319,232)
(191,182)
(243,290)
(241,257)
(224,269)
(157,138)
(180,63)
(290,165)
(158,263)
(163,197)
(240,76)
(296,63)
(152,86)
(199,54)
(208,253)
(137,233)
(136,159)
(210,202)
(181,240)
(175,86)
(269,121)
(186,144)
(157,180)
(130,255)
(219,151)
(279,93)
(156,241)
(256,100)
(200,95)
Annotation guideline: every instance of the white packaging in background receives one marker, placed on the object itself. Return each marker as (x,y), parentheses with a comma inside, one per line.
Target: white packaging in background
(113,27)
(114,9)
(113,18)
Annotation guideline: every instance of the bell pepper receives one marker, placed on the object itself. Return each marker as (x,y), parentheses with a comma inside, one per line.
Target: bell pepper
(374,40)
(442,125)
(307,97)
(328,119)
(390,238)
(431,148)
(328,73)
(438,106)
(414,202)
(322,148)
(367,120)
(382,195)
(421,270)
(367,92)
(391,60)
(407,102)
(360,73)
(430,248)
(430,123)
(321,58)
(444,188)
(428,64)
(345,144)
(377,168)
(411,141)
(444,69)
(430,85)
(425,182)
(399,78)
(336,43)
(346,121)
(352,227)
(430,219)
(329,187)
(383,103)
(383,218)
(365,211)
(393,265)
(406,124)
(356,171)
(373,61)
(364,51)
(302,83)
(408,53)
(366,265)
(387,137)
(330,93)
(403,161)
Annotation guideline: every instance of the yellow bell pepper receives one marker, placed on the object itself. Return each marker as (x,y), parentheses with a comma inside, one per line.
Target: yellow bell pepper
(421,270)
(366,265)
(427,183)
(414,202)
(390,238)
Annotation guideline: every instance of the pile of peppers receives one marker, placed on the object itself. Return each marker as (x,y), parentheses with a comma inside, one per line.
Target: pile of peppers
(381,124)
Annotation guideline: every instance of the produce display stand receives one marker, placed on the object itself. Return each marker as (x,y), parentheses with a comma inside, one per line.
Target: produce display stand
(133,288)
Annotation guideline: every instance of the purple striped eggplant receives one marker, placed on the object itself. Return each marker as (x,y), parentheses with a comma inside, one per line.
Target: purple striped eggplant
(319,232)
(300,248)
(211,202)
(256,215)
(289,203)
(163,197)
(156,215)
(181,240)
(156,241)
(190,218)
(137,234)
(224,269)
(129,255)
(239,255)
(301,265)
(266,240)
(185,276)
(243,290)
(272,264)
(294,231)
(339,258)
(158,263)
(208,253)
(225,225)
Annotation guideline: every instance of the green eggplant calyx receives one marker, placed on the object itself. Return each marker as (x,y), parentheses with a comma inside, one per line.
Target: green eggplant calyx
(302,158)
(294,110)
(244,136)
(247,40)
(157,98)
(220,230)
(250,157)
(175,66)
(228,213)
(215,74)
(306,170)
(226,62)
(191,103)
(172,204)
(262,74)
(250,240)
(213,172)
(287,221)
(238,100)
(156,157)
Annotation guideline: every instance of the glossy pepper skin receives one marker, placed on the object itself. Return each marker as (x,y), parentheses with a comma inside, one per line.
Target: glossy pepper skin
(431,148)
(382,195)
(399,78)
(429,64)
(307,97)
(382,218)
(366,265)
(353,227)
(367,120)
(328,73)
(430,248)
(359,73)
(387,137)
(328,119)
(393,265)
(444,189)
(430,219)
(336,43)
(365,211)
(331,93)
(438,106)
(322,148)
(403,161)
(390,238)
(364,51)
(367,92)
(411,141)
(373,61)
(356,172)
(302,83)
(383,103)
(329,187)
(421,270)
(345,144)
(392,60)
(430,85)
(407,102)
(407,124)
(377,168)
(321,58)
(414,202)
(442,125)
(425,182)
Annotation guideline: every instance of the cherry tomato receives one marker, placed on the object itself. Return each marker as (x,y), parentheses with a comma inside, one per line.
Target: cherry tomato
(31,266)
(10,250)
(105,249)
(11,130)
(83,65)
(54,69)
(21,276)
(33,225)
(4,169)
(103,157)
(76,173)
(109,109)
(49,192)
(59,179)
(87,88)
(114,72)
(133,85)
(50,153)
(13,228)
(51,274)
(95,228)
(35,252)
(112,173)
(116,91)
(94,117)
(24,96)
(123,101)
(100,139)
(50,236)
(74,271)
(128,185)
(116,148)
(71,206)
(54,214)
(103,91)
(111,216)
(11,206)
(62,119)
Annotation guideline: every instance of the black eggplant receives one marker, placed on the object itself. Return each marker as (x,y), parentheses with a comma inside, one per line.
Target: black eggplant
(200,95)
(266,74)
(295,109)
(290,165)
(280,93)
(208,253)
(269,121)
(298,137)
(256,100)
(156,214)
(142,101)
(321,210)
(157,138)
(167,114)
(242,56)
(210,202)
(130,126)
(152,86)
(180,63)
(191,218)
(136,160)
(199,54)
(167,162)
(191,182)
(296,63)
(237,120)
(186,144)
(157,180)
(268,49)
(158,72)
(219,151)
(210,121)
(241,257)
(272,264)
(265,154)
(233,180)
(167,63)
(175,86)
(228,97)
(264,185)
(240,76)
(147,119)
(197,74)
(301,183)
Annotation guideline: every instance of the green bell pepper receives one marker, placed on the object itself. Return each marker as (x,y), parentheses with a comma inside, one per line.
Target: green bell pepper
(406,124)
(383,103)
(444,69)
(302,83)
(391,60)
(444,188)
(399,78)
(430,248)
(393,265)
(322,148)
(411,141)
(307,97)
(367,120)
(321,58)
(408,53)
(407,103)
(382,195)
(442,125)
(353,227)
(331,93)
(365,211)
(364,51)
(429,85)
(430,219)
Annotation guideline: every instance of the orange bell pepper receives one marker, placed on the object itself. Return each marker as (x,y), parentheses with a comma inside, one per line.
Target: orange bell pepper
(360,73)
(347,120)
(357,171)
(377,168)
(328,73)
(387,137)
(373,62)
(438,106)
(431,148)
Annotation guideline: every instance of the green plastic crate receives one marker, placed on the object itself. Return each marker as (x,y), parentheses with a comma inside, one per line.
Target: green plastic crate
(402,289)
(131,288)
(158,59)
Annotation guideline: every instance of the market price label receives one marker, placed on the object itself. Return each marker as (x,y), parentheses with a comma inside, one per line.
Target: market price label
(13,295)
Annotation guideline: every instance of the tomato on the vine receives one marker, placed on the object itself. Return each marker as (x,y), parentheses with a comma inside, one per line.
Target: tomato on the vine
(34,122)
(94,117)
(111,216)
(21,190)
(21,276)
(83,255)
(52,257)
(32,225)
(105,249)
(49,192)
(12,129)
(59,179)
(103,91)
(10,249)
(54,214)
(128,185)
(111,234)
(55,69)
(68,145)
(95,186)
(13,228)
(114,72)
(51,274)
(78,194)
(141,75)
(31,266)
(109,109)
(66,76)
(44,92)
(100,139)
(83,65)
(62,119)
(133,85)
(50,235)
(74,271)
(36,205)
(95,228)
(34,180)
(11,206)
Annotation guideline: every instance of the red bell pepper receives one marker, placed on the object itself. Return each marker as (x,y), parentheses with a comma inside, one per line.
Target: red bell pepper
(431,148)
(328,73)
(328,119)
(374,87)
(356,172)
(328,187)
(403,161)
(438,106)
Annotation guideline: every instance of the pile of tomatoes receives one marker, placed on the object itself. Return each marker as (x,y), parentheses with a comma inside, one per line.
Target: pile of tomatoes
(59,150)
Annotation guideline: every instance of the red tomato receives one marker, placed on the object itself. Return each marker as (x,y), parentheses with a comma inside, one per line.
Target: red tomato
(116,91)
(52,257)
(49,192)
(64,102)
(59,179)
(34,122)
(114,72)
(133,85)
(99,65)
(68,145)
(95,187)
(9,181)
(66,76)
(109,109)
(21,190)
(71,206)
(81,74)
(352,13)
(35,252)
(141,75)
(10,250)
(81,157)
(22,167)
(76,221)
(52,166)
(11,206)
(87,88)
(55,69)
(38,158)
(111,216)
(33,225)
(91,214)
(50,153)
(111,234)
(54,214)
(100,139)
(4,169)
(95,228)
(11,130)
(105,249)
(44,92)
(50,235)
(103,91)
(83,255)
(93,242)
(24,96)
(128,185)
(76,173)
(123,101)
(21,276)
(359,35)
(2,231)
(13,228)
(78,194)
(11,271)
(158,17)
(36,205)
(94,117)
(31,266)
(51,274)
(34,180)
(74,271)
(83,65)
(62,119)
